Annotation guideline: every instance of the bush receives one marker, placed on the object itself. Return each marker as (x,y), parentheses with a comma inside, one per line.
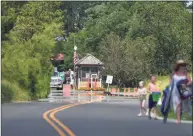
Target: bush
(11,92)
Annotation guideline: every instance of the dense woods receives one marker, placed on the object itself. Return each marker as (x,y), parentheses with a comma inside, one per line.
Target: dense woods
(133,39)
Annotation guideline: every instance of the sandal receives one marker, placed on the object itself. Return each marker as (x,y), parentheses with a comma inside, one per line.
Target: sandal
(178,122)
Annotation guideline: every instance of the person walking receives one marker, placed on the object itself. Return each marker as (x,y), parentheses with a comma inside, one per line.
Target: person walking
(179,73)
(153,89)
(71,78)
(142,92)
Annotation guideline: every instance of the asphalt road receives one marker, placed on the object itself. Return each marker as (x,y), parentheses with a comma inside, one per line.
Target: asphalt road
(95,119)
(26,119)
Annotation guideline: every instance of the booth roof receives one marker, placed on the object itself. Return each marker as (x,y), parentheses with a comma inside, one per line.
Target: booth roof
(89,60)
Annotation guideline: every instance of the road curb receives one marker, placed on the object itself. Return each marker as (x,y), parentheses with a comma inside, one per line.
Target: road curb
(173,120)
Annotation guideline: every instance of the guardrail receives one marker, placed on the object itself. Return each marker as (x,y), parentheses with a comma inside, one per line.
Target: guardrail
(126,92)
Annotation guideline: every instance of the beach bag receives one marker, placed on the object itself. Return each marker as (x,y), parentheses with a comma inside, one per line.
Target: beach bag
(156,96)
(186,92)
(166,98)
(165,108)
(159,101)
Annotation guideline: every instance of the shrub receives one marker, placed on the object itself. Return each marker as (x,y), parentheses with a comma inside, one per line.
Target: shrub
(11,92)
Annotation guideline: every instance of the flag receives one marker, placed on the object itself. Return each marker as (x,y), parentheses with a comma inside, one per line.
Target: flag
(75,57)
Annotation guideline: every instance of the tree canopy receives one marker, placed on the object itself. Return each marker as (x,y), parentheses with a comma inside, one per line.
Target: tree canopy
(148,37)
(133,39)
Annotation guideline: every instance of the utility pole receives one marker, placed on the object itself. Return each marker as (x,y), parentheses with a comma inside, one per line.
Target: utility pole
(74,52)
(75,59)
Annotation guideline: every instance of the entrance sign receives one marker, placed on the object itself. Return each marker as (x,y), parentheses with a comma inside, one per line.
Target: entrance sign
(109,79)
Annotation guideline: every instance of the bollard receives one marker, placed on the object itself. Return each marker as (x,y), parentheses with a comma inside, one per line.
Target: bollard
(88,83)
(113,91)
(128,93)
(66,90)
(118,91)
(124,91)
(95,84)
(78,83)
(78,98)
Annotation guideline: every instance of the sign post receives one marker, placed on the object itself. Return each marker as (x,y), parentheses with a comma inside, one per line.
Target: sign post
(108,87)
(109,80)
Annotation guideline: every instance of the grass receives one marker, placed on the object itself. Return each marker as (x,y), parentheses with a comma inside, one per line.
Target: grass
(11,92)
(165,82)
(172,115)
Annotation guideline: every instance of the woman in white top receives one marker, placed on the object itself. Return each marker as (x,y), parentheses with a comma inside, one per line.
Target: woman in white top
(142,92)
(180,73)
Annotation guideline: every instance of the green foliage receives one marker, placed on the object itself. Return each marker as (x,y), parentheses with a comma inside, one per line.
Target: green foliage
(32,17)
(68,48)
(148,37)
(9,13)
(134,39)
(11,91)
(27,52)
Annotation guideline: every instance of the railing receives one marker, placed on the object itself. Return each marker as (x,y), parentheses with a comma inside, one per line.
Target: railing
(95,83)
(126,92)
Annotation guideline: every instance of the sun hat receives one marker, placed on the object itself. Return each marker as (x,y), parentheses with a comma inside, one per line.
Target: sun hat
(178,64)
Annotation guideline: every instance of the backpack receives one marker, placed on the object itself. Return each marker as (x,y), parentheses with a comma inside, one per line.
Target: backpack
(186,92)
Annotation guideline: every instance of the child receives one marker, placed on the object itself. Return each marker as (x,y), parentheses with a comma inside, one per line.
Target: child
(142,92)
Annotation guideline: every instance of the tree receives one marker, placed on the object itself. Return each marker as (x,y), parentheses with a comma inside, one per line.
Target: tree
(9,13)
(166,25)
(30,45)
(171,31)
(127,60)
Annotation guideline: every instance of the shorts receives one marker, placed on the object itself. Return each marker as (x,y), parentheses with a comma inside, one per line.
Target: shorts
(142,97)
(151,103)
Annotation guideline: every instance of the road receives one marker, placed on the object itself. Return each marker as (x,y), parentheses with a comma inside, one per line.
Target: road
(94,119)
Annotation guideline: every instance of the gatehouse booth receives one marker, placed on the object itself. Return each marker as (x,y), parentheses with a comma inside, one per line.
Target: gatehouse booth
(89,68)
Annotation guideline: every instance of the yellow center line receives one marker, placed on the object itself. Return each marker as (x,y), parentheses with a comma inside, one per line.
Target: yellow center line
(52,116)
(45,116)
(60,132)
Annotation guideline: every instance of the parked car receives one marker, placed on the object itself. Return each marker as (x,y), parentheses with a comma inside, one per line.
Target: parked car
(62,75)
(56,81)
